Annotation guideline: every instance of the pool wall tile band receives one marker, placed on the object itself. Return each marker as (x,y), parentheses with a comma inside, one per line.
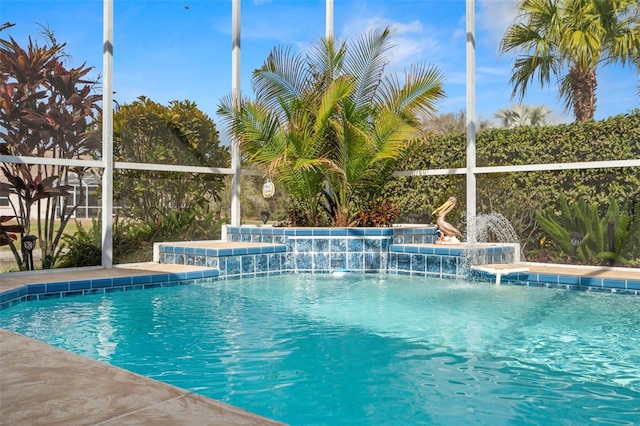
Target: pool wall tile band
(568,282)
(322,250)
(325,250)
(59,289)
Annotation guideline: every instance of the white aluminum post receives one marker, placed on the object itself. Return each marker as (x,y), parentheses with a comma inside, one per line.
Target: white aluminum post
(235,97)
(107,135)
(329,20)
(471,121)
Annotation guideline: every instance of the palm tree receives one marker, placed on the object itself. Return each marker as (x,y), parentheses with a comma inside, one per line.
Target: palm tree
(330,125)
(522,115)
(570,39)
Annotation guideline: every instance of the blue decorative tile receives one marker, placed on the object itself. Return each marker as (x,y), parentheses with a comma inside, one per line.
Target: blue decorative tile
(372,245)
(354,245)
(338,245)
(262,263)
(612,283)
(121,281)
(159,278)
(633,285)
(449,265)
(274,262)
(354,261)
(303,246)
(233,265)
(59,286)
(101,283)
(392,261)
(566,279)
(591,281)
(222,265)
(320,261)
(338,261)
(418,263)
(193,275)
(372,261)
(254,250)
(434,264)
(548,278)
(303,261)
(247,265)
(211,262)
(289,262)
(404,262)
(320,245)
(8,295)
(79,285)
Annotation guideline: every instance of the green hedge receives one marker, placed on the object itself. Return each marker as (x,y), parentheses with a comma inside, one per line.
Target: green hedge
(519,195)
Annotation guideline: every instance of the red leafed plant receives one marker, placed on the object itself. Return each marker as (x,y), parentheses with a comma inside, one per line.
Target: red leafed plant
(47,111)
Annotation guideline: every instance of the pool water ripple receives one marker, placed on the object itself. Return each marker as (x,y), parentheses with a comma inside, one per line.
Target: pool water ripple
(367,349)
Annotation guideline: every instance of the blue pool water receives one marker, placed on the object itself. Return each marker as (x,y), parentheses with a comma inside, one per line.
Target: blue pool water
(314,349)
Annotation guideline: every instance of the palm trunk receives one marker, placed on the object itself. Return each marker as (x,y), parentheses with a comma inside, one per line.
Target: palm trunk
(583,86)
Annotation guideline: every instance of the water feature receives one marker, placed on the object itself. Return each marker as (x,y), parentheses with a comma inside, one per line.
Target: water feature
(495,228)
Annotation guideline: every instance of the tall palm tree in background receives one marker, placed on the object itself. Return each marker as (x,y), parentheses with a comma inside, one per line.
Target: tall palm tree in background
(329,124)
(570,39)
(522,115)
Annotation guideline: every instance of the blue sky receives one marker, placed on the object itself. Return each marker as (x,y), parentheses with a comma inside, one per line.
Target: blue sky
(181,49)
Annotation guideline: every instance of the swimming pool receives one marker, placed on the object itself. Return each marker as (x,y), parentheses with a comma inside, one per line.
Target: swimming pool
(374,349)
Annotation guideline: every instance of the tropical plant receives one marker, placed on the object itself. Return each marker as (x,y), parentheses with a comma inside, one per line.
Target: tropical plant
(47,111)
(591,229)
(83,248)
(8,232)
(329,125)
(177,134)
(569,39)
(133,240)
(522,115)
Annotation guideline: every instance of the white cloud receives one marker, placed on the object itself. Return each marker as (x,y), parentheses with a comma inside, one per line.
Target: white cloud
(493,17)
(410,40)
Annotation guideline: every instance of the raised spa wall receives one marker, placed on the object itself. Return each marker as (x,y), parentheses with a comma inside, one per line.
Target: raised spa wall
(406,250)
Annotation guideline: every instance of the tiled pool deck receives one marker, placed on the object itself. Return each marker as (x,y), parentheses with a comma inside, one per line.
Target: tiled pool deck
(41,384)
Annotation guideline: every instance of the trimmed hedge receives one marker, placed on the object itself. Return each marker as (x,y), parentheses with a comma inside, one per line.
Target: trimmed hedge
(519,195)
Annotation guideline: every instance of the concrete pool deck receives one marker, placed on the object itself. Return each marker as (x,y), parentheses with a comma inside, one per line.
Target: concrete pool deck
(41,384)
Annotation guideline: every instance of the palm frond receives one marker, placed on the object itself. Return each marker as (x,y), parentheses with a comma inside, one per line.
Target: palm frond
(283,77)
(419,93)
(366,63)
